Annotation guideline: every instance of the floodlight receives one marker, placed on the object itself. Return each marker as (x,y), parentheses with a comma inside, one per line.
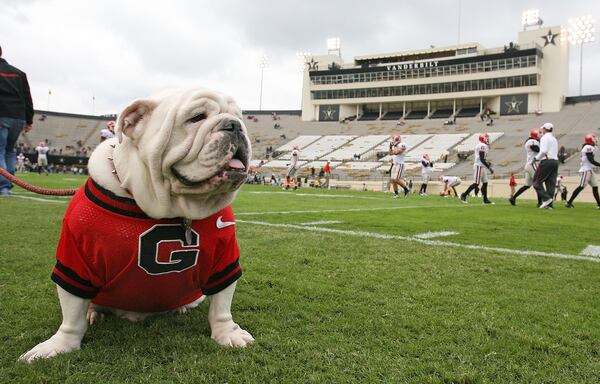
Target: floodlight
(531,17)
(334,44)
(263,61)
(581,31)
(302,59)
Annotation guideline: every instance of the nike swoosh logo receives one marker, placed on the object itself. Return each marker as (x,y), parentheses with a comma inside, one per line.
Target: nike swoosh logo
(224,224)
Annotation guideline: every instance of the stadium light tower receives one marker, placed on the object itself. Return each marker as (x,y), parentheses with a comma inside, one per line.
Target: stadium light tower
(263,62)
(581,31)
(531,17)
(334,46)
(302,59)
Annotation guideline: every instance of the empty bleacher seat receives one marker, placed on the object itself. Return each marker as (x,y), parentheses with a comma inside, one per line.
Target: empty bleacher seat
(441,114)
(324,146)
(415,115)
(468,112)
(392,116)
(436,146)
(359,146)
(369,116)
(469,143)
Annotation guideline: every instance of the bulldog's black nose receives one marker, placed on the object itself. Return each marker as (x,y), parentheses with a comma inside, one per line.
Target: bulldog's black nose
(231,126)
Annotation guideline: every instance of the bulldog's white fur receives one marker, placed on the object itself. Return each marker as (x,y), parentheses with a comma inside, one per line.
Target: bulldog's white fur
(173,156)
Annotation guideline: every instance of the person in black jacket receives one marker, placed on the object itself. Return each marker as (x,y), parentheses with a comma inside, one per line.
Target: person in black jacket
(16,114)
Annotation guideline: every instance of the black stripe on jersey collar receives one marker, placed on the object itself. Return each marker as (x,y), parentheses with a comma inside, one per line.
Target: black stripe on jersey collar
(96,200)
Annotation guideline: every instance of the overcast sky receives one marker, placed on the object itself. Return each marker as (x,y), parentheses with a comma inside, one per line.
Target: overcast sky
(117,51)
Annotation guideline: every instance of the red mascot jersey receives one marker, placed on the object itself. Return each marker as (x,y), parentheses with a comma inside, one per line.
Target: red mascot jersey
(111,252)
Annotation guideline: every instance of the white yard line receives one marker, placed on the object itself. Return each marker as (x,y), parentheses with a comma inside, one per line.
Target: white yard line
(356,209)
(591,250)
(38,199)
(324,222)
(436,243)
(431,235)
(37,194)
(317,195)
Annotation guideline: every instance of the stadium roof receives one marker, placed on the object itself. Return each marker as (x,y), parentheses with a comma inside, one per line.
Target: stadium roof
(419,52)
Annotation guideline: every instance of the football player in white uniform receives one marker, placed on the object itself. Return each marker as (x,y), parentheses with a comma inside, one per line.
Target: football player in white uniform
(108,132)
(588,175)
(398,150)
(450,183)
(532,148)
(426,169)
(481,167)
(292,168)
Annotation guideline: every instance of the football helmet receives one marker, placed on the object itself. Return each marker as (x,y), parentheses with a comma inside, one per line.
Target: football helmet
(296,146)
(441,178)
(110,124)
(534,133)
(397,138)
(484,138)
(590,139)
(426,157)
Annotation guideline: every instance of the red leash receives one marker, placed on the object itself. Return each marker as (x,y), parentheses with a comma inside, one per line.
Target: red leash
(32,188)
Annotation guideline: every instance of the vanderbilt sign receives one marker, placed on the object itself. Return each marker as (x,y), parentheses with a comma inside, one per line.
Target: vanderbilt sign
(425,64)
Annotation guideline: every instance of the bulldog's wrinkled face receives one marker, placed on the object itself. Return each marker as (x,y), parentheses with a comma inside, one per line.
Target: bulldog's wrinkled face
(190,142)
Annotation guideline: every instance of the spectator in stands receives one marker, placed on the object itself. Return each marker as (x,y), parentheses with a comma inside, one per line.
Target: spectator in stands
(512,183)
(16,115)
(327,173)
(42,159)
(108,132)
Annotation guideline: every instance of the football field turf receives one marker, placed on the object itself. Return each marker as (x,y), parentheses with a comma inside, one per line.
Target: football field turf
(339,286)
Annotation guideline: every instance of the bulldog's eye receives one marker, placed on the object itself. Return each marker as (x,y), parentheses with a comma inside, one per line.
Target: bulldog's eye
(197,118)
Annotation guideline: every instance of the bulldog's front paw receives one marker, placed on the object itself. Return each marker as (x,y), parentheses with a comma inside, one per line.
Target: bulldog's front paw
(50,348)
(231,335)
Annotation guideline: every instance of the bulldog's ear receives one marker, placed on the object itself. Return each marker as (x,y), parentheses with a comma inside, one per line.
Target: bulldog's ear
(128,123)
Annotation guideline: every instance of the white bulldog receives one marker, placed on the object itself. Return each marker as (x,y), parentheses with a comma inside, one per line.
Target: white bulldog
(152,231)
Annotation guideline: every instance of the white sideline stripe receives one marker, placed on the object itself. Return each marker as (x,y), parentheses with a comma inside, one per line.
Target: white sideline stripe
(36,194)
(354,209)
(38,199)
(317,195)
(321,222)
(591,250)
(431,235)
(422,241)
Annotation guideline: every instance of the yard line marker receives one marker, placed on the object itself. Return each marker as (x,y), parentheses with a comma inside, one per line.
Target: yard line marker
(38,199)
(321,222)
(355,209)
(317,195)
(36,194)
(422,241)
(431,235)
(591,250)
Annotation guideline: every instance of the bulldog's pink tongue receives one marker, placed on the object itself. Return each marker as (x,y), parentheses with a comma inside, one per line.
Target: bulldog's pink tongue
(237,164)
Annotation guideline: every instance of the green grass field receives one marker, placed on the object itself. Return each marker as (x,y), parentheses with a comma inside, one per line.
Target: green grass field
(340,287)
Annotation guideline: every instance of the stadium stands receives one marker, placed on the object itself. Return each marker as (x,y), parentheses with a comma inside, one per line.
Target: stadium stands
(415,115)
(359,146)
(319,140)
(470,142)
(392,116)
(369,116)
(441,114)
(323,146)
(468,112)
